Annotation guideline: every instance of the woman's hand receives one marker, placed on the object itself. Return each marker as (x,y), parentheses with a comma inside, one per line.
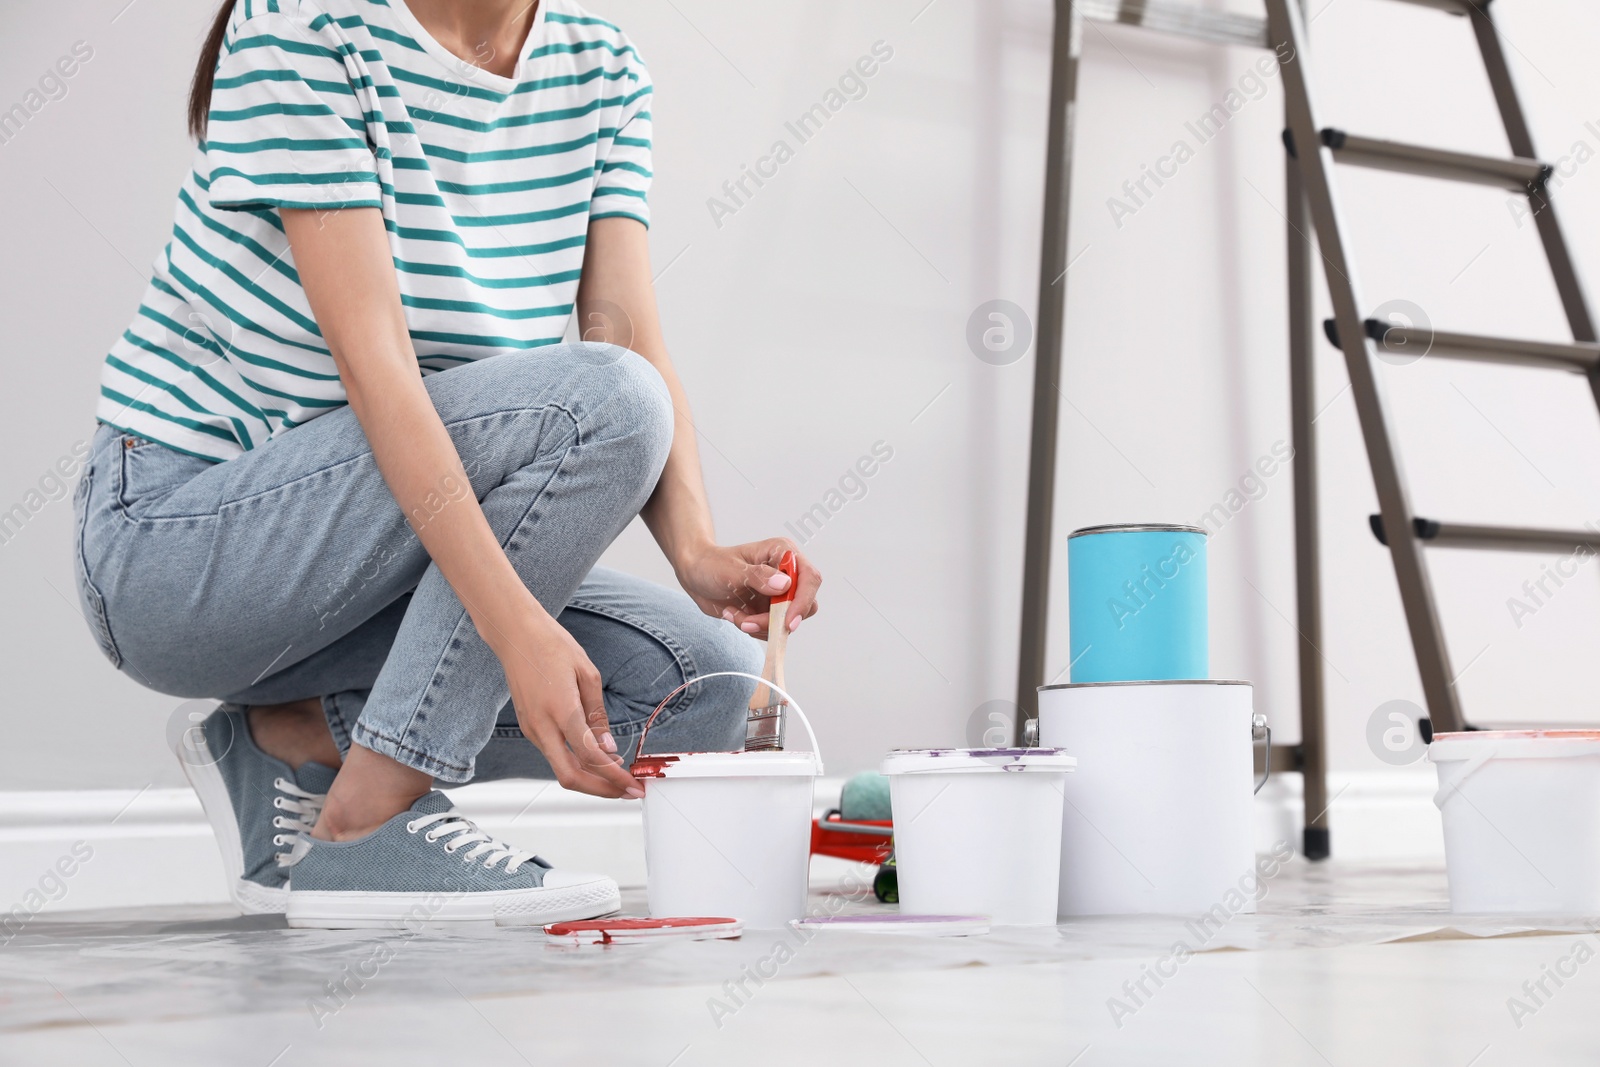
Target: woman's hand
(737,583)
(556,692)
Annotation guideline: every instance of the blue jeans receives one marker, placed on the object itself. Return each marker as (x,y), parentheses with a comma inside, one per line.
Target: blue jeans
(290,572)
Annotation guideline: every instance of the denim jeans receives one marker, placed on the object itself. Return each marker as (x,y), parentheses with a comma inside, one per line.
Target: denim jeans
(290,572)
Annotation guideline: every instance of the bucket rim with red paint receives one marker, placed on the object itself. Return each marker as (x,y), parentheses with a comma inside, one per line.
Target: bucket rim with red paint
(1520,811)
(725,764)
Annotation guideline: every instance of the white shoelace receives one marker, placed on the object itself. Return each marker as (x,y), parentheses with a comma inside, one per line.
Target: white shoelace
(463,832)
(306,809)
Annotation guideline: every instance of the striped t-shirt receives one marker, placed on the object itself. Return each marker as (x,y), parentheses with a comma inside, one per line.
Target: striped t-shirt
(487,186)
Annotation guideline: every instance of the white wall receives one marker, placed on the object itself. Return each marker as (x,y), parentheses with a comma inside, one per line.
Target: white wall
(837,298)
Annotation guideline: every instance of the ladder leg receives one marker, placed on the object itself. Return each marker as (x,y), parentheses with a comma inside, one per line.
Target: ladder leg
(1316,163)
(1308,584)
(1047,363)
(1520,136)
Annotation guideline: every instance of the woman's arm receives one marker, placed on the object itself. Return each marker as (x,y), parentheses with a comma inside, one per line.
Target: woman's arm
(617,303)
(345,265)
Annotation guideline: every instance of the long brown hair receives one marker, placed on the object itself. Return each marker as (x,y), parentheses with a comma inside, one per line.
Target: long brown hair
(206,69)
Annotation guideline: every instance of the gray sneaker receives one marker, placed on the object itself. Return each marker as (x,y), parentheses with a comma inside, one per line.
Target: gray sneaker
(257,804)
(431,865)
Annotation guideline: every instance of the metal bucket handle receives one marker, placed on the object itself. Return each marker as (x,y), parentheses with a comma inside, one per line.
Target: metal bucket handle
(1258,726)
(794,704)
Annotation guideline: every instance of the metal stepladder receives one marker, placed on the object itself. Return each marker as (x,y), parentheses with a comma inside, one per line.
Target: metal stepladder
(1362,340)
(1308,758)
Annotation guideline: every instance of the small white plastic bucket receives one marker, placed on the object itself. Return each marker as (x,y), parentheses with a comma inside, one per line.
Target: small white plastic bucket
(728,833)
(978,831)
(1521,812)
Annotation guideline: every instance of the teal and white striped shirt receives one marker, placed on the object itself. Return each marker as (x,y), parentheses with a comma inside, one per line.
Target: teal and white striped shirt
(487,186)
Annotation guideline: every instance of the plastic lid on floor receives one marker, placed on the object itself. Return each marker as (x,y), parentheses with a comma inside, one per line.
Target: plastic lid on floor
(628,930)
(921,925)
(1513,744)
(974,760)
(726,764)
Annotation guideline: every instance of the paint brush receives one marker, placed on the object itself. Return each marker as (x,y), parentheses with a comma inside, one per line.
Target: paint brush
(763,729)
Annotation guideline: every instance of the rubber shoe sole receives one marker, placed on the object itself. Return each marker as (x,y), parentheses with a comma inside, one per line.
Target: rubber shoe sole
(200,767)
(574,896)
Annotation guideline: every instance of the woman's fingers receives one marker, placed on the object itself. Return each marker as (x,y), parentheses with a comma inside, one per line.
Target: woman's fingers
(578,761)
(809,579)
(766,580)
(805,591)
(591,757)
(569,773)
(750,623)
(592,697)
(746,601)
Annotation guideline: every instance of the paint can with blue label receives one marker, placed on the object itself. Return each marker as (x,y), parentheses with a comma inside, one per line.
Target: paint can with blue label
(1136,603)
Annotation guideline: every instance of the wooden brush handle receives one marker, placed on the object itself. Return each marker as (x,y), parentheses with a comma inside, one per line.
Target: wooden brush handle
(777,637)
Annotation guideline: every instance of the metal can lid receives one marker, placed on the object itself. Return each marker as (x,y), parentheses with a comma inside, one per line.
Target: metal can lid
(1153,681)
(1138,527)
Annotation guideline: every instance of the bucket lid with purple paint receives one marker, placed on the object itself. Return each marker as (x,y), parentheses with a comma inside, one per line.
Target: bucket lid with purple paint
(969,760)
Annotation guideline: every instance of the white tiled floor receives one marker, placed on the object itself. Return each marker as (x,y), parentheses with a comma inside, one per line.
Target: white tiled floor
(1343,965)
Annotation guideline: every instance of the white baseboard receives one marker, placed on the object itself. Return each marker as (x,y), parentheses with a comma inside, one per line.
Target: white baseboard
(154,847)
(1373,816)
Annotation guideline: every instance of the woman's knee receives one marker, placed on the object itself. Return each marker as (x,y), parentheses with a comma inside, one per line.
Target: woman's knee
(625,400)
(727,648)
(710,715)
(724,649)
(609,392)
(619,404)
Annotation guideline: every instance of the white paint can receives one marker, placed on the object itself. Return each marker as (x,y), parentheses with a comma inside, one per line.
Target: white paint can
(978,831)
(1158,818)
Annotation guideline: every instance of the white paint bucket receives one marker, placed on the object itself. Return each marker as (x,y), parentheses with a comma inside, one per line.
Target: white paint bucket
(978,831)
(1158,818)
(728,833)
(1521,812)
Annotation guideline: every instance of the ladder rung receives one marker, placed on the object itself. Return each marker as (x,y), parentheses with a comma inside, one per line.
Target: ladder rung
(1582,356)
(1504,171)
(1455,7)
(1508,538)
(1184,20)
(1285,759)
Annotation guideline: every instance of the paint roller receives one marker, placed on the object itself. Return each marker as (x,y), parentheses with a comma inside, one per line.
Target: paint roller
(861,829)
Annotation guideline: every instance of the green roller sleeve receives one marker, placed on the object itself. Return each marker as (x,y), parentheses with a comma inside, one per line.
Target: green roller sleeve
(865,798)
